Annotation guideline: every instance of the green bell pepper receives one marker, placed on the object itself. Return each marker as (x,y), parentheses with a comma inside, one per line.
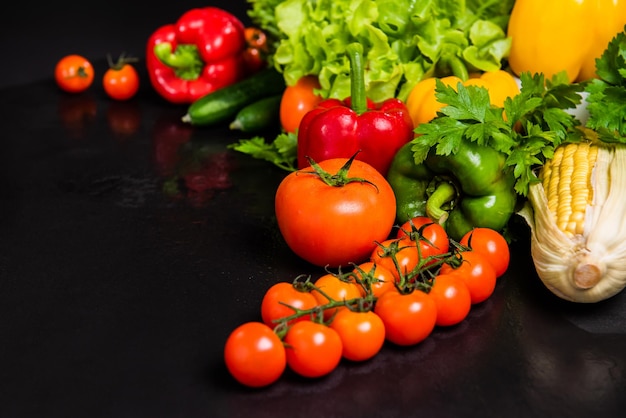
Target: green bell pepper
(466,189)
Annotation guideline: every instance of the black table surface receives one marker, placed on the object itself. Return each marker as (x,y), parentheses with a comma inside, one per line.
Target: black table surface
(119,287)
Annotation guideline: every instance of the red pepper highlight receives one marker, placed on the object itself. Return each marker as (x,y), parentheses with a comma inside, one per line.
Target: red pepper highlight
(341,128)
(197,55)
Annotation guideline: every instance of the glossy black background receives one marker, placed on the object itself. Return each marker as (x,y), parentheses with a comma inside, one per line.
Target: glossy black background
(116,297)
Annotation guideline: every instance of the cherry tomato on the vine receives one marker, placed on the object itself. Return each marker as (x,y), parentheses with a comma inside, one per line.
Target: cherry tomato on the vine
(312,349)
(278,296)
(452,298)
(409,318)
(254,355)
(335,225)
(74,73)
(492,244)
(432,237)
(298,99)
(477,273)
(378,278)
(399,256)
(362,333)
(121,81)
(337,289)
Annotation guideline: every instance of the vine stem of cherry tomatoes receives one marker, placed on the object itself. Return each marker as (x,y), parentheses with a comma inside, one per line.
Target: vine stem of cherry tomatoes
(310,326)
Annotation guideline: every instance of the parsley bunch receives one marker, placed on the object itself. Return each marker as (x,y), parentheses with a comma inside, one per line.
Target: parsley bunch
(527,130)
(606,102)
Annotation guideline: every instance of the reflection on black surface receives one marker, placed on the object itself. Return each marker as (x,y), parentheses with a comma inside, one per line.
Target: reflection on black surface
(576,367)
(191,169)
(168,135)
(77,112)
(123,118)
(137,301)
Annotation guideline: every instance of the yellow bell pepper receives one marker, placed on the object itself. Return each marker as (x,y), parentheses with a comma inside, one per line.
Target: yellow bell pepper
(562,35)
(423,105)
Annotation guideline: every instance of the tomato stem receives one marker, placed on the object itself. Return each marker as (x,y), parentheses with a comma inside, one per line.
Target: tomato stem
(81,72)
(419,278)
(365,278)
(360,304)
(340,178)
(122,60)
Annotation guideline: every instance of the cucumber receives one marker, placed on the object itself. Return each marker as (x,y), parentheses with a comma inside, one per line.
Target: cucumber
(222,105)
(258,116)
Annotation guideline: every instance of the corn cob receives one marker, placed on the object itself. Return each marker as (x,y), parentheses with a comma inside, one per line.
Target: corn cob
(576,212)
(570,192)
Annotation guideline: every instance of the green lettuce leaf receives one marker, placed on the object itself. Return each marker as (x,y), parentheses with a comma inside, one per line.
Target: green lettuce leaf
(404,40)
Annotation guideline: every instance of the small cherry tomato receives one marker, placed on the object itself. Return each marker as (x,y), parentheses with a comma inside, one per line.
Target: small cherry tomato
(297,100)
(336,289)
(362,333)
(452,298)
(121,81)
(399,256)
(477,273)
(251,345)
(335,225)
(377,279)
(409,318)
(492,244)
(255,54)
(74,73)
(278,296)
(312,349)
(432,236)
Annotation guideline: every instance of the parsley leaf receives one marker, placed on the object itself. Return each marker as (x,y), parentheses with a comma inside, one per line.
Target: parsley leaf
(469,103)
(527,129)
(606,101)
(281,152)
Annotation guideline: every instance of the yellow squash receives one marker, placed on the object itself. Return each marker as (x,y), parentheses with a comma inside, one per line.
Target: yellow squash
(577,218)
(550,36)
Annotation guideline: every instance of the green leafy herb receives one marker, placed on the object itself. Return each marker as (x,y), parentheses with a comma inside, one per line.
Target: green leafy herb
(527,130)
(281,152)
(606,102)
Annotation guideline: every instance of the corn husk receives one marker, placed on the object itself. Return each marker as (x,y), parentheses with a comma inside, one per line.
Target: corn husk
(588,267)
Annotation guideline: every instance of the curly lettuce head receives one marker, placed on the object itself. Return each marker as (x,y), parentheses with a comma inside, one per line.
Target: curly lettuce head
(404,41)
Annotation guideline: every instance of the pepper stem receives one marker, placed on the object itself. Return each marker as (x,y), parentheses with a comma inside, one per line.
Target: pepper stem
(185,60)
(444,193)
(357,78)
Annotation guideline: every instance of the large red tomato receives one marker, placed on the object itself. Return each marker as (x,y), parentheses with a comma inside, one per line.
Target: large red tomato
(334,225)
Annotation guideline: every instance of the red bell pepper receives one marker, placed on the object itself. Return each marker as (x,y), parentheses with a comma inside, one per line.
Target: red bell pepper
(340,128)
(197,55)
